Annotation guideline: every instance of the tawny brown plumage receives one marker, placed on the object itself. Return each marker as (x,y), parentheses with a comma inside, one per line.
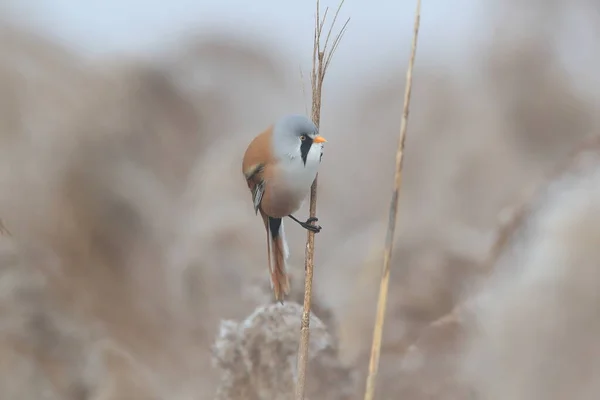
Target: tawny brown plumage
(278,200)
(258,165)
(279,165)
(277,267)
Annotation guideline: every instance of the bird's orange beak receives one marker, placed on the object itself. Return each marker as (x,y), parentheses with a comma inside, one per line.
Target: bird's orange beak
(319,139)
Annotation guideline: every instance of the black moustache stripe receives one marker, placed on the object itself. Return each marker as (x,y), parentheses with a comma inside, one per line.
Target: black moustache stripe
(305,148)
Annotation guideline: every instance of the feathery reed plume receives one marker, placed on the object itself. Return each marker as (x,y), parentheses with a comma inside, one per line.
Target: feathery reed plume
(385,277)
(254,357)
(320,63)
(510,234)
(534,314)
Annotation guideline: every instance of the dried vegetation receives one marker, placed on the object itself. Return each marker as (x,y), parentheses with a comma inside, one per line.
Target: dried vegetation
(133,250)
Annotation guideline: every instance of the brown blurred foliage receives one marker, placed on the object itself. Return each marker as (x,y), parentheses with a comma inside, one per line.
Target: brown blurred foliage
(133,248)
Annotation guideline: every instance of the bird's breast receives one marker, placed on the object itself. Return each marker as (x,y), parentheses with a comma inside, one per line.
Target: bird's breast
(299,177)
(289,187)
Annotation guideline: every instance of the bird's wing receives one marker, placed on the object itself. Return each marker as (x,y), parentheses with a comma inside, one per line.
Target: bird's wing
(256,183)
(257,160)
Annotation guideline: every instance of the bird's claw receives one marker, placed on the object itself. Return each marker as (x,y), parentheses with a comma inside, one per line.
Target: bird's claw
(315,229)
(309,226)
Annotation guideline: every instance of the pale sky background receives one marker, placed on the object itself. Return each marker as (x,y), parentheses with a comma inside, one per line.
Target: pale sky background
(377,27)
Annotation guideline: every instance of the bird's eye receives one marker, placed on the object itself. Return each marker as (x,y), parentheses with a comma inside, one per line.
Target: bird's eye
(303,137)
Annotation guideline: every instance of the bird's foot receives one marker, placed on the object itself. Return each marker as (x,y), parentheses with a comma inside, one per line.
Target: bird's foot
(308,225)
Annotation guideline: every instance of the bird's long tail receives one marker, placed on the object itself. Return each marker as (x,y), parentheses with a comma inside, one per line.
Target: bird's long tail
(277,253)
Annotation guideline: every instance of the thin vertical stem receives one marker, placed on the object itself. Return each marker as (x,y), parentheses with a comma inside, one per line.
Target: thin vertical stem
(320,62)
(387,255)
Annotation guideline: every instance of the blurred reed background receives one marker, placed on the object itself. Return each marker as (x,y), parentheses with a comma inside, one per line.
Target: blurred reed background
(135,253)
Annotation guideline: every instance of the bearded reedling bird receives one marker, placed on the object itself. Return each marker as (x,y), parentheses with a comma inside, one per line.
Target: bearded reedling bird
(280,165)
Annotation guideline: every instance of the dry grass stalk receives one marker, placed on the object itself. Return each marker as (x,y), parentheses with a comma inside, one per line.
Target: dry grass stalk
(3,230)
(507,230)
(385,277)
(547,271)
(320,63)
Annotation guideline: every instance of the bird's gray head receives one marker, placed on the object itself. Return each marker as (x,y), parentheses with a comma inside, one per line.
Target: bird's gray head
(294,135)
